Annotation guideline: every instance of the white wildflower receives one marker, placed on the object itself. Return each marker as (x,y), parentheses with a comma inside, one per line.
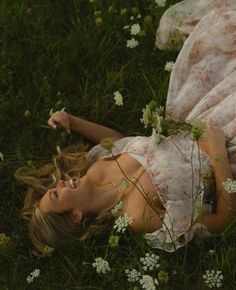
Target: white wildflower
(147,113)
(169,65)
(148,282)
(126,27)
(213,278)
(135,29)
(30,279)
(150,261)
(132,275)
(1,156)
(132,43)
(118,98)
(33,275)
(152,117)
(139,16)
(211,252)
(160,3)
(230,185)
(118,208)
(131,18)
(102,266)
(122,222)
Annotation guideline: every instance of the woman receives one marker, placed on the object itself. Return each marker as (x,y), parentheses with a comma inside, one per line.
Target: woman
(161,186)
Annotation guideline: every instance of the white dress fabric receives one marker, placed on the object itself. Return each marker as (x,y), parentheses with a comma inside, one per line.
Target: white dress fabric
(176,167)
(202,86)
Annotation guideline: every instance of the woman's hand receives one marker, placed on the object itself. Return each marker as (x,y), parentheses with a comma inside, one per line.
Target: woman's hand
(60,118)
(213,140)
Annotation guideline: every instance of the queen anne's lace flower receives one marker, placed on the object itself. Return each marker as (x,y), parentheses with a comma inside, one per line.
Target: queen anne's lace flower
(169,65)
(122,222)
(118,98)
(161,3)
(213,278)
(102,266)
(148,282)
(132,43)
(150,261)
(230,185)
(152,117)
(1,156)
(132,275)
(118,208)
(33,275)
(135,29)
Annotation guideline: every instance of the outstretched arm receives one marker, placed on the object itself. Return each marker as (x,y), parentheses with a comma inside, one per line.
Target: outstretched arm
(213,142)
(94,132)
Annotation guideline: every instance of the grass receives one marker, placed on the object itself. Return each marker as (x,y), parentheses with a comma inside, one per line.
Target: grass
(53,55)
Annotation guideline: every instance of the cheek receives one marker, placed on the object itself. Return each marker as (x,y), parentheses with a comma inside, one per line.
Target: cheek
(67,199)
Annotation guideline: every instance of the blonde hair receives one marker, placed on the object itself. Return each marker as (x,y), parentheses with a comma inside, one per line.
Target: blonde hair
(54,229)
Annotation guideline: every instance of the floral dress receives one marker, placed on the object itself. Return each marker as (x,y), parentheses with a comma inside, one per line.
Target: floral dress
(177,168)
(202,86)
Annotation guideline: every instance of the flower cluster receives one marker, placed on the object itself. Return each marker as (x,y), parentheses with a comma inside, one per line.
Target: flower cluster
(118,208)
(230,185)
(122,222)
(150,261)
(148,282)
(118,98)
(132,43)
(169,65)
(135,29)
(213,278)
(102,266)
(132,275)
(152,117)
(33,275)
(160,3)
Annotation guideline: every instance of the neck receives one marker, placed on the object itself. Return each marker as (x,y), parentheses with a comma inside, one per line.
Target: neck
(103,197)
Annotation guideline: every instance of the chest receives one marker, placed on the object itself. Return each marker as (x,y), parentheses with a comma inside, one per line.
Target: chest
(139,195)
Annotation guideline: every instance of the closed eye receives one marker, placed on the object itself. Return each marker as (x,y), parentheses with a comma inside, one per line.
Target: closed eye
(54,194)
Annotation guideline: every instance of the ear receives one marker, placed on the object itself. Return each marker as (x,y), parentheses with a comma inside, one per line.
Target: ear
(76,216)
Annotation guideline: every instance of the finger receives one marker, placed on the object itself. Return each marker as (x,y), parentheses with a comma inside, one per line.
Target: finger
(59,118)
(54,120)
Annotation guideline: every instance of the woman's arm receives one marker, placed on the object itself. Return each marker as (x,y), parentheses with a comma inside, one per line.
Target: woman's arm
(213,142)
(94,132)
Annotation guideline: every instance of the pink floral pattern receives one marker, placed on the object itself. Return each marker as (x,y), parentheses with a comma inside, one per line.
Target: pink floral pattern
(202,86)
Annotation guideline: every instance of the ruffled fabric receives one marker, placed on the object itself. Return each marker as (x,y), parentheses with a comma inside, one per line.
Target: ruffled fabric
(176,167)
(180,19)
(202,86)
(202,83)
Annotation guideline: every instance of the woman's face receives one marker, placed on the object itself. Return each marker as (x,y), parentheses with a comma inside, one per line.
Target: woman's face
(65,197)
